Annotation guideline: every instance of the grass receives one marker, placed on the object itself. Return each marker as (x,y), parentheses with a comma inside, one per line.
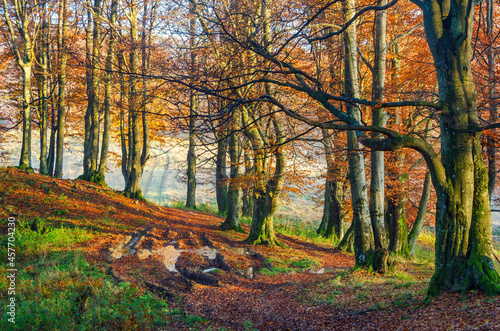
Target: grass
(38,236)
(288,266)
(53,280)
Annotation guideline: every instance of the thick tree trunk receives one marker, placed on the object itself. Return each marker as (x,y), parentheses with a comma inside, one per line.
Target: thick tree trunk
(232,221)
(331,222)
(396,224)
(266,197)
(347,242)
(463,219)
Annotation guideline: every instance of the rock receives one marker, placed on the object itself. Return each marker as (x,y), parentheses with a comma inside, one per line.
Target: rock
(317,272)
(249,273)
(210,253)
(210,270)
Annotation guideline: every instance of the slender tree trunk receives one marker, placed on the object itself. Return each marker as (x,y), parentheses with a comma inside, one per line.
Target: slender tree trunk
(63,59)
(419,221)
(491,149)
(107,94)
(191,155)
(43,94)
(247,199)
(123,134)
(220,175)
(133,186)
(379,118)
(193,104)
(25,161)
(364,247)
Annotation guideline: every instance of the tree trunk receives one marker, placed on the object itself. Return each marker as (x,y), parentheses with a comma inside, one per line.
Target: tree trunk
(221,176)
(379,118)
(331,223)
(133,185)
(347,242)
(232,221)
(419,221)
(266,197)
(491,149)
(191,155)
(91,146)
(43,94)
(25,161)
(103,162)
(364,246)
(247,199)
(63,59)
(463,225)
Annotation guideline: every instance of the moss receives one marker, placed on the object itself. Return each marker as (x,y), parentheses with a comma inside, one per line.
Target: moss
(25,167)
(94,177)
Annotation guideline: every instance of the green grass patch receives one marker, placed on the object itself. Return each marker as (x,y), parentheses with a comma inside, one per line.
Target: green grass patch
(50,292)
(38,237)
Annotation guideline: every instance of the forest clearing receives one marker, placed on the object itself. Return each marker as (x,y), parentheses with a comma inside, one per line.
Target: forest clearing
(65,237)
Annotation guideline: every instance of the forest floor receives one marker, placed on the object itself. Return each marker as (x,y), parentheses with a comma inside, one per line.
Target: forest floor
(89,258)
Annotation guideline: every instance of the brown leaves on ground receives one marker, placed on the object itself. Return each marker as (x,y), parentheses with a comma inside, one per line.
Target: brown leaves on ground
(289,298)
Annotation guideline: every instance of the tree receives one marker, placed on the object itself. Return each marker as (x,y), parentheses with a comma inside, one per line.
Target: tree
(459,176)
(24,26)
(62,40)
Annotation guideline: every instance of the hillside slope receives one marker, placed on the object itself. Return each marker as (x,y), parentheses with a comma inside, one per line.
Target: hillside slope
(180,256)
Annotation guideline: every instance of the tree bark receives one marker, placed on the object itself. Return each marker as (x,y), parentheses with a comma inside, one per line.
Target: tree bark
(63,59)
(419,221)
(463,225)
(232,221)
(133,185)
(491,145)
(220,175)
(379,118)
(103,162)
(364,246)
(193,104)
(332,220)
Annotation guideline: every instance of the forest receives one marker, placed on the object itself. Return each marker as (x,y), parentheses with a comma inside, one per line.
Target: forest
(381,115)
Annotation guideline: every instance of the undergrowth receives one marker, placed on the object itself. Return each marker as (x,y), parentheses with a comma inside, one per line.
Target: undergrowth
(57,289)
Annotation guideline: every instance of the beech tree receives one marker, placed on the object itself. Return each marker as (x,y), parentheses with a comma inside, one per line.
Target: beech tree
(22,19)
(459,175)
